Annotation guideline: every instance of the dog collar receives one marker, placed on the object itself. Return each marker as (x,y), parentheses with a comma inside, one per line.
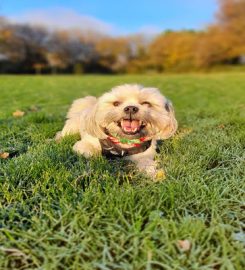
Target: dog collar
(120,147)
(127,142)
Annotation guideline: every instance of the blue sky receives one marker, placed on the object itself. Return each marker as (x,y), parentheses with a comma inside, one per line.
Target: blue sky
(115,17)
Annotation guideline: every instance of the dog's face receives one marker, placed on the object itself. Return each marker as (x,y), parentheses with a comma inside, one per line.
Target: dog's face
(132,111)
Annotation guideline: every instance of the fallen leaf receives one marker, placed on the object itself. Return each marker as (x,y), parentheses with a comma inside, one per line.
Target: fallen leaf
(221,126)
(184,245)
(4,155)
(160,176)
(18,113)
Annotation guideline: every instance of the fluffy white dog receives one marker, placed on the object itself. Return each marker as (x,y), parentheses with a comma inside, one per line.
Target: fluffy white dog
(125,122)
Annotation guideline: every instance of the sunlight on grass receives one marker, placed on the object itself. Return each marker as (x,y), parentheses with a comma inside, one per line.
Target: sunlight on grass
(61,211)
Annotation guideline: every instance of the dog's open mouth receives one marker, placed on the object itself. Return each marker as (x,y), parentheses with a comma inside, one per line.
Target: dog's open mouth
(131,127)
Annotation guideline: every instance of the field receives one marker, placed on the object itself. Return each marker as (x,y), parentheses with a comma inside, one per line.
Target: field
(61,211)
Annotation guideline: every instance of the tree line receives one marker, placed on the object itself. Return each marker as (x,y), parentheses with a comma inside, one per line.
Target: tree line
(35,49)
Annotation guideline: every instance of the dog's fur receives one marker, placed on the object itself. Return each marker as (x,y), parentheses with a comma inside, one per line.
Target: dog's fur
(94,119)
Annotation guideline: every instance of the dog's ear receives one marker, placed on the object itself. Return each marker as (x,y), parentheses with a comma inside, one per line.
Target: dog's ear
(92,127)
(168,125)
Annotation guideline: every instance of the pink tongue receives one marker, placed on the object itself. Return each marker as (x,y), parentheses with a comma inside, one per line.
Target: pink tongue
(135,124)
(127,124)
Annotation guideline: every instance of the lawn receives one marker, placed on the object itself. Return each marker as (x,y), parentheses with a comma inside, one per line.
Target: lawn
(61,211)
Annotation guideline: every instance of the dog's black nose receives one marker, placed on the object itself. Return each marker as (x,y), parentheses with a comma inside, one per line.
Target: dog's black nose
(131,109)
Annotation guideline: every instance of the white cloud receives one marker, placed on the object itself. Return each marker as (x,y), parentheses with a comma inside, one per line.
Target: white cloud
(62,18)
(150,30)
(67,19)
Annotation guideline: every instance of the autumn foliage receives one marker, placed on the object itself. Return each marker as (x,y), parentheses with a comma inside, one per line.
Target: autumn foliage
(29,49)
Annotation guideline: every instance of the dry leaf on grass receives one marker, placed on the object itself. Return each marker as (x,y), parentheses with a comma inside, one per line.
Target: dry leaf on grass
(160,176)
(4,155)
(184,245)
(18,113)
(221,126)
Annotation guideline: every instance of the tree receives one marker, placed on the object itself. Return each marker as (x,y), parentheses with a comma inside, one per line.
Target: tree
(174,51)
(231,23)
(114,53)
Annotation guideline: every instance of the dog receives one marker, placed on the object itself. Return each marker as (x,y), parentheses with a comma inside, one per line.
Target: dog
(126,122)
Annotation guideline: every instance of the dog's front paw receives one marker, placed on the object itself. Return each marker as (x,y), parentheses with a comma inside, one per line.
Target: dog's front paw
(85,149)
(156,175)
(149,167)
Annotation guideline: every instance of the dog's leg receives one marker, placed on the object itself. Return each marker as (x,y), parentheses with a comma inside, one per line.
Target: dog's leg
(75,116)
(88,146)
(145,160)
(147,165)
(71,127)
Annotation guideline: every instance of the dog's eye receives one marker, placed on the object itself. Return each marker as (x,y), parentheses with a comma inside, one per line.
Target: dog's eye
(116,103)
(146,103)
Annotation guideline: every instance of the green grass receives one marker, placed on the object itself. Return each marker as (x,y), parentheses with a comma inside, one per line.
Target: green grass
(61,211)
